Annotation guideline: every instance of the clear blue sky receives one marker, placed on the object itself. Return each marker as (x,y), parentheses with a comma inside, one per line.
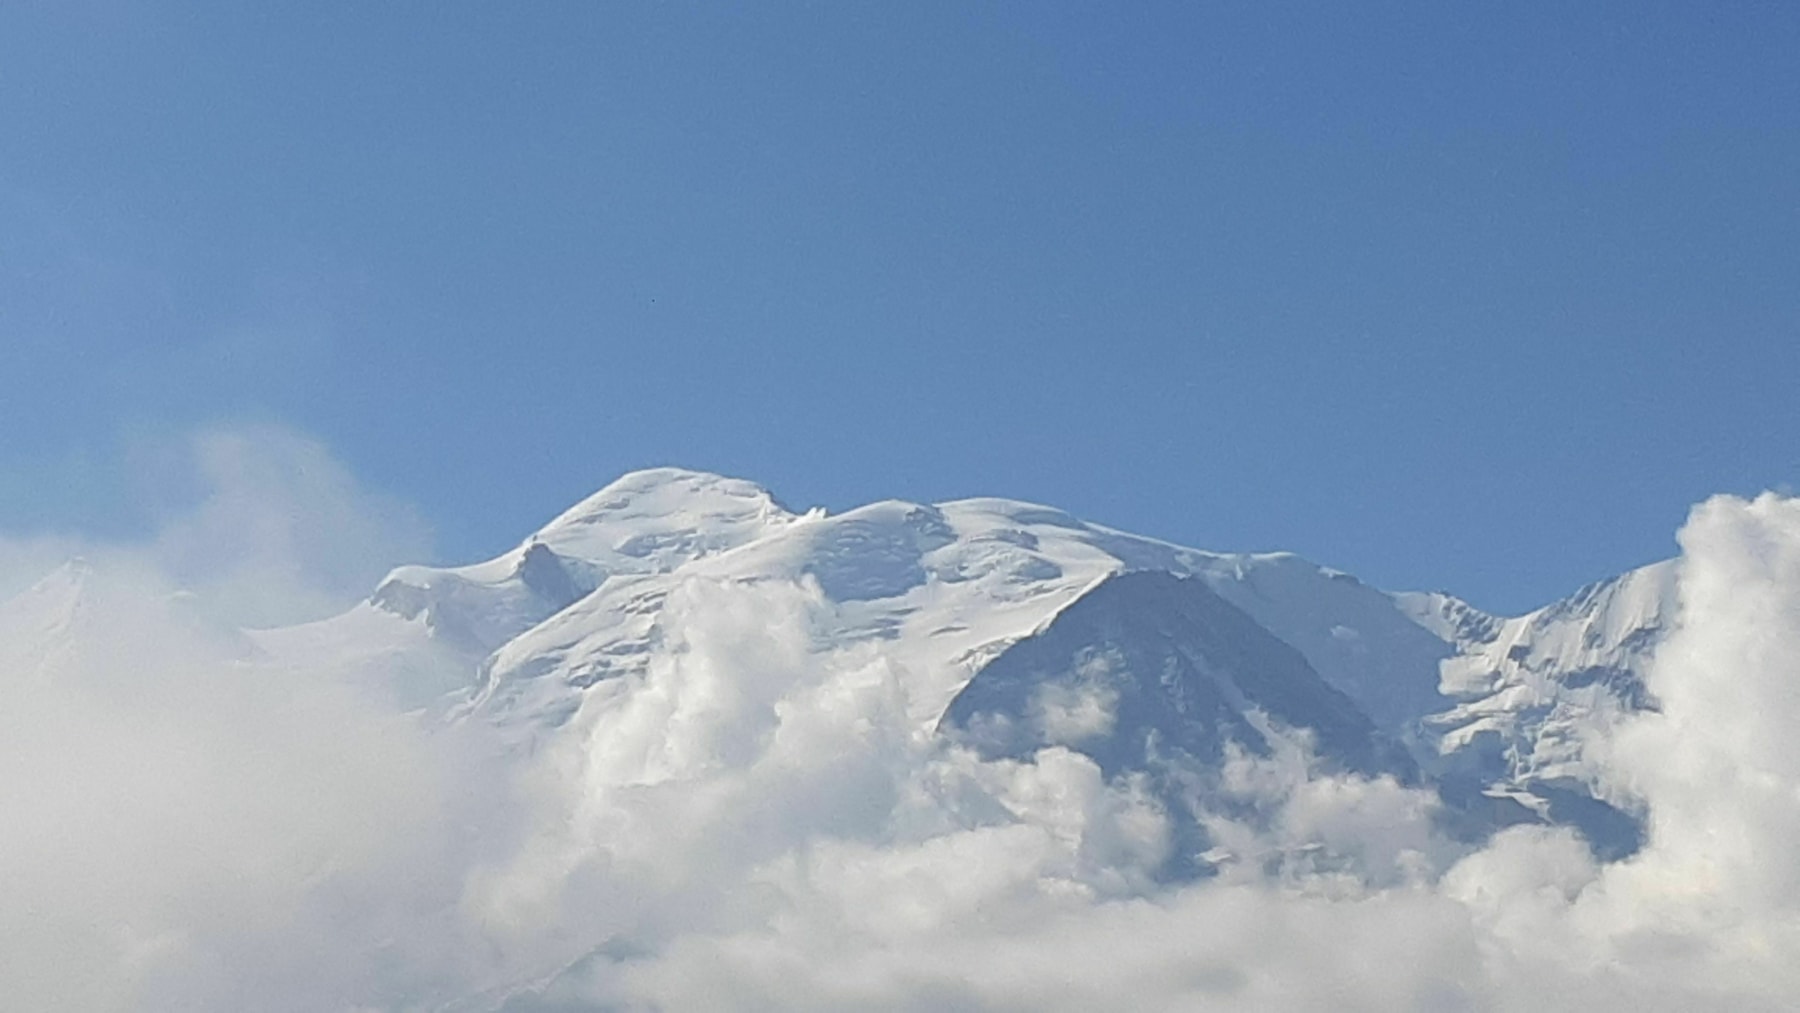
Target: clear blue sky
(1476,296)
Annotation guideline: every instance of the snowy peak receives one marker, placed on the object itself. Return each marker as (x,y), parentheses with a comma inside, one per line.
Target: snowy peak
(656,519)
(1604,625)
(653,521)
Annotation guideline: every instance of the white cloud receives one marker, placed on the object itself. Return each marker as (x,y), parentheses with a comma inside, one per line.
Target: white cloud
(186,827)
(1070,712)
(260,522)
(284,531)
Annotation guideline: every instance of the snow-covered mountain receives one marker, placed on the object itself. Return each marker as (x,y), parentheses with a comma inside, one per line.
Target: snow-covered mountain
(1017,626)
(1013,627)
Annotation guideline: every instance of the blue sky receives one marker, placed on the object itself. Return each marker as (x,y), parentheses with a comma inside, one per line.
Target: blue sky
(1480,297)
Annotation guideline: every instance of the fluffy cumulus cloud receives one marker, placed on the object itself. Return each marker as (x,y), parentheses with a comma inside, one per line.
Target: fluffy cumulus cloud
(755,823)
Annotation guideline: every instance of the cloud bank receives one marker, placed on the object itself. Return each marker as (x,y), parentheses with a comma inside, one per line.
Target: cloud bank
(184,827)
(755,824)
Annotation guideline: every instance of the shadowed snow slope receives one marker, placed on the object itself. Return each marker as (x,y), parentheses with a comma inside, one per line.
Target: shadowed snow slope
(1148,665)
